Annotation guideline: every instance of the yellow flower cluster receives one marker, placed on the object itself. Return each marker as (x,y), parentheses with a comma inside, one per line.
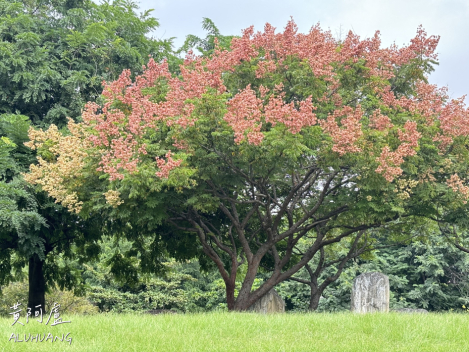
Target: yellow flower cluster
(112,198)
(427,176)
(404,188)
(69,155)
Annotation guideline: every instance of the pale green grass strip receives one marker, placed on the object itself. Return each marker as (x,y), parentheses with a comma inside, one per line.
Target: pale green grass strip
(249,332)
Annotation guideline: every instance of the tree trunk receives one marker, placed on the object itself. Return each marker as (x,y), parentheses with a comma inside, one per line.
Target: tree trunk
(37,286)
(314,299)
(245,297)
(230,298)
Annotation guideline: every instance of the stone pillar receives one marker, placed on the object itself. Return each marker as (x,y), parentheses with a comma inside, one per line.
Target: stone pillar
(370,293)
(271,302)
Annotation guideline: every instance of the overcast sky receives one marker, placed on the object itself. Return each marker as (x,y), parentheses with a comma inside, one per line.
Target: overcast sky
(397,20)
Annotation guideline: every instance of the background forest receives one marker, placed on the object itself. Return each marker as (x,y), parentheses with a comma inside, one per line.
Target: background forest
(54,56)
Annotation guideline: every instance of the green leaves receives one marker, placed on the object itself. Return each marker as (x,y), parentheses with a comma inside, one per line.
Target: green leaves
(15,127)
(27,39)
(53,56)
(123,268)
(206,46)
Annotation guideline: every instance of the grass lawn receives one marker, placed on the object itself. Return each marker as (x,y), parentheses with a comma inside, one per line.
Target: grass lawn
(246,332)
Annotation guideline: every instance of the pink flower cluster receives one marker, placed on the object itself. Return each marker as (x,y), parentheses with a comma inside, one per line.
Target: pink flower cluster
(389,162)
(246,111)
(379,121)
(346,136)
(276,111)
(120,156)
(454,121)
(166,166)
(456,184)
(244,116)
(436,107)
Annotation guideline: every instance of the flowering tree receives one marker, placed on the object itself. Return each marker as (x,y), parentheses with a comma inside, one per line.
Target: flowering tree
(282,138)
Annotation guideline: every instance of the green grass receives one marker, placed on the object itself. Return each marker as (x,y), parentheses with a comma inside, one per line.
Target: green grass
(249,332)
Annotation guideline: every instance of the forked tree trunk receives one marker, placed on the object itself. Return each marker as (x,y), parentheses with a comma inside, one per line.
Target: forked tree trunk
(37,285)
(246,298)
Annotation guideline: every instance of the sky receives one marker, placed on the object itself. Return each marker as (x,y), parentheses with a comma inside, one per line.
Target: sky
(397,21)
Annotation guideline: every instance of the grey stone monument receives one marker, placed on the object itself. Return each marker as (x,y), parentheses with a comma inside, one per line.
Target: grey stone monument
(271,302)
(370,293)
